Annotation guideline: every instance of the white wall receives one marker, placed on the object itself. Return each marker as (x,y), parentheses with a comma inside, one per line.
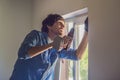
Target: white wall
(104,18)
(104,40)
(15,22)
(43,7)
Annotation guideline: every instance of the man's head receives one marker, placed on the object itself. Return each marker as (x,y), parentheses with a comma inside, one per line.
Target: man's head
(53,23)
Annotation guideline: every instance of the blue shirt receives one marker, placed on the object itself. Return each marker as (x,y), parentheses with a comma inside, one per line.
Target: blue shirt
(40,67)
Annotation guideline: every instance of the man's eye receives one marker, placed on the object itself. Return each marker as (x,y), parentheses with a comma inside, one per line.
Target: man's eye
(59,24)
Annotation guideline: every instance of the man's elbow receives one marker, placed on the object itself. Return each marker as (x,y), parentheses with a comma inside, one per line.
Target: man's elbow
(78,56)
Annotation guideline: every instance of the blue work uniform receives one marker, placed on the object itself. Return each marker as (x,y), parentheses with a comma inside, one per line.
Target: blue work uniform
(40,67)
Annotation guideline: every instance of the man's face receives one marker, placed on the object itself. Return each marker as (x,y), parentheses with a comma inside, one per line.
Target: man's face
(58,28)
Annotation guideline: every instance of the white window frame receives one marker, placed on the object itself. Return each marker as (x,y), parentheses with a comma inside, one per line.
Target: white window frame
(74,16)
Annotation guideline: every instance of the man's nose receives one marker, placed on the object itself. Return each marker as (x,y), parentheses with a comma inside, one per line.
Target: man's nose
(62,26)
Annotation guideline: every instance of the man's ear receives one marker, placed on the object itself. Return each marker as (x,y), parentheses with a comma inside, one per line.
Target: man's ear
(48,27)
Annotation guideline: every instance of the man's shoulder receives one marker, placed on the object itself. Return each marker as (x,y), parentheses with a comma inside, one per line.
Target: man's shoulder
(37,32)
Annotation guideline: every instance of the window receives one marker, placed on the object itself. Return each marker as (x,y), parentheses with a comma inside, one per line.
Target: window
(75,70)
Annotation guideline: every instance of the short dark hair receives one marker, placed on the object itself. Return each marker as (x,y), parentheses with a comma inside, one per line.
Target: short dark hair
(49,21)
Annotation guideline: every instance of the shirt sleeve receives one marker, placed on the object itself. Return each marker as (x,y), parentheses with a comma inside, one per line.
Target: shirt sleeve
(68,54)
(29,41)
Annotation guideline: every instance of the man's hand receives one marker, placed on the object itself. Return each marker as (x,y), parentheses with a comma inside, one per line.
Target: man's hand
(67,42)
(60,43)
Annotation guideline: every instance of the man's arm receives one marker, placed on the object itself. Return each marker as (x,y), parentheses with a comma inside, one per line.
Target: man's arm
(82,46)
(56,44)
(34,51)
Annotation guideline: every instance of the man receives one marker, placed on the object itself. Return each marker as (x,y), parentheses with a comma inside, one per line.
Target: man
(37,57)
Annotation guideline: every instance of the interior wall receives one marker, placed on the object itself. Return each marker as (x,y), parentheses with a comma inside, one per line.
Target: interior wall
(15,22)
(44,7)
(104,39)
